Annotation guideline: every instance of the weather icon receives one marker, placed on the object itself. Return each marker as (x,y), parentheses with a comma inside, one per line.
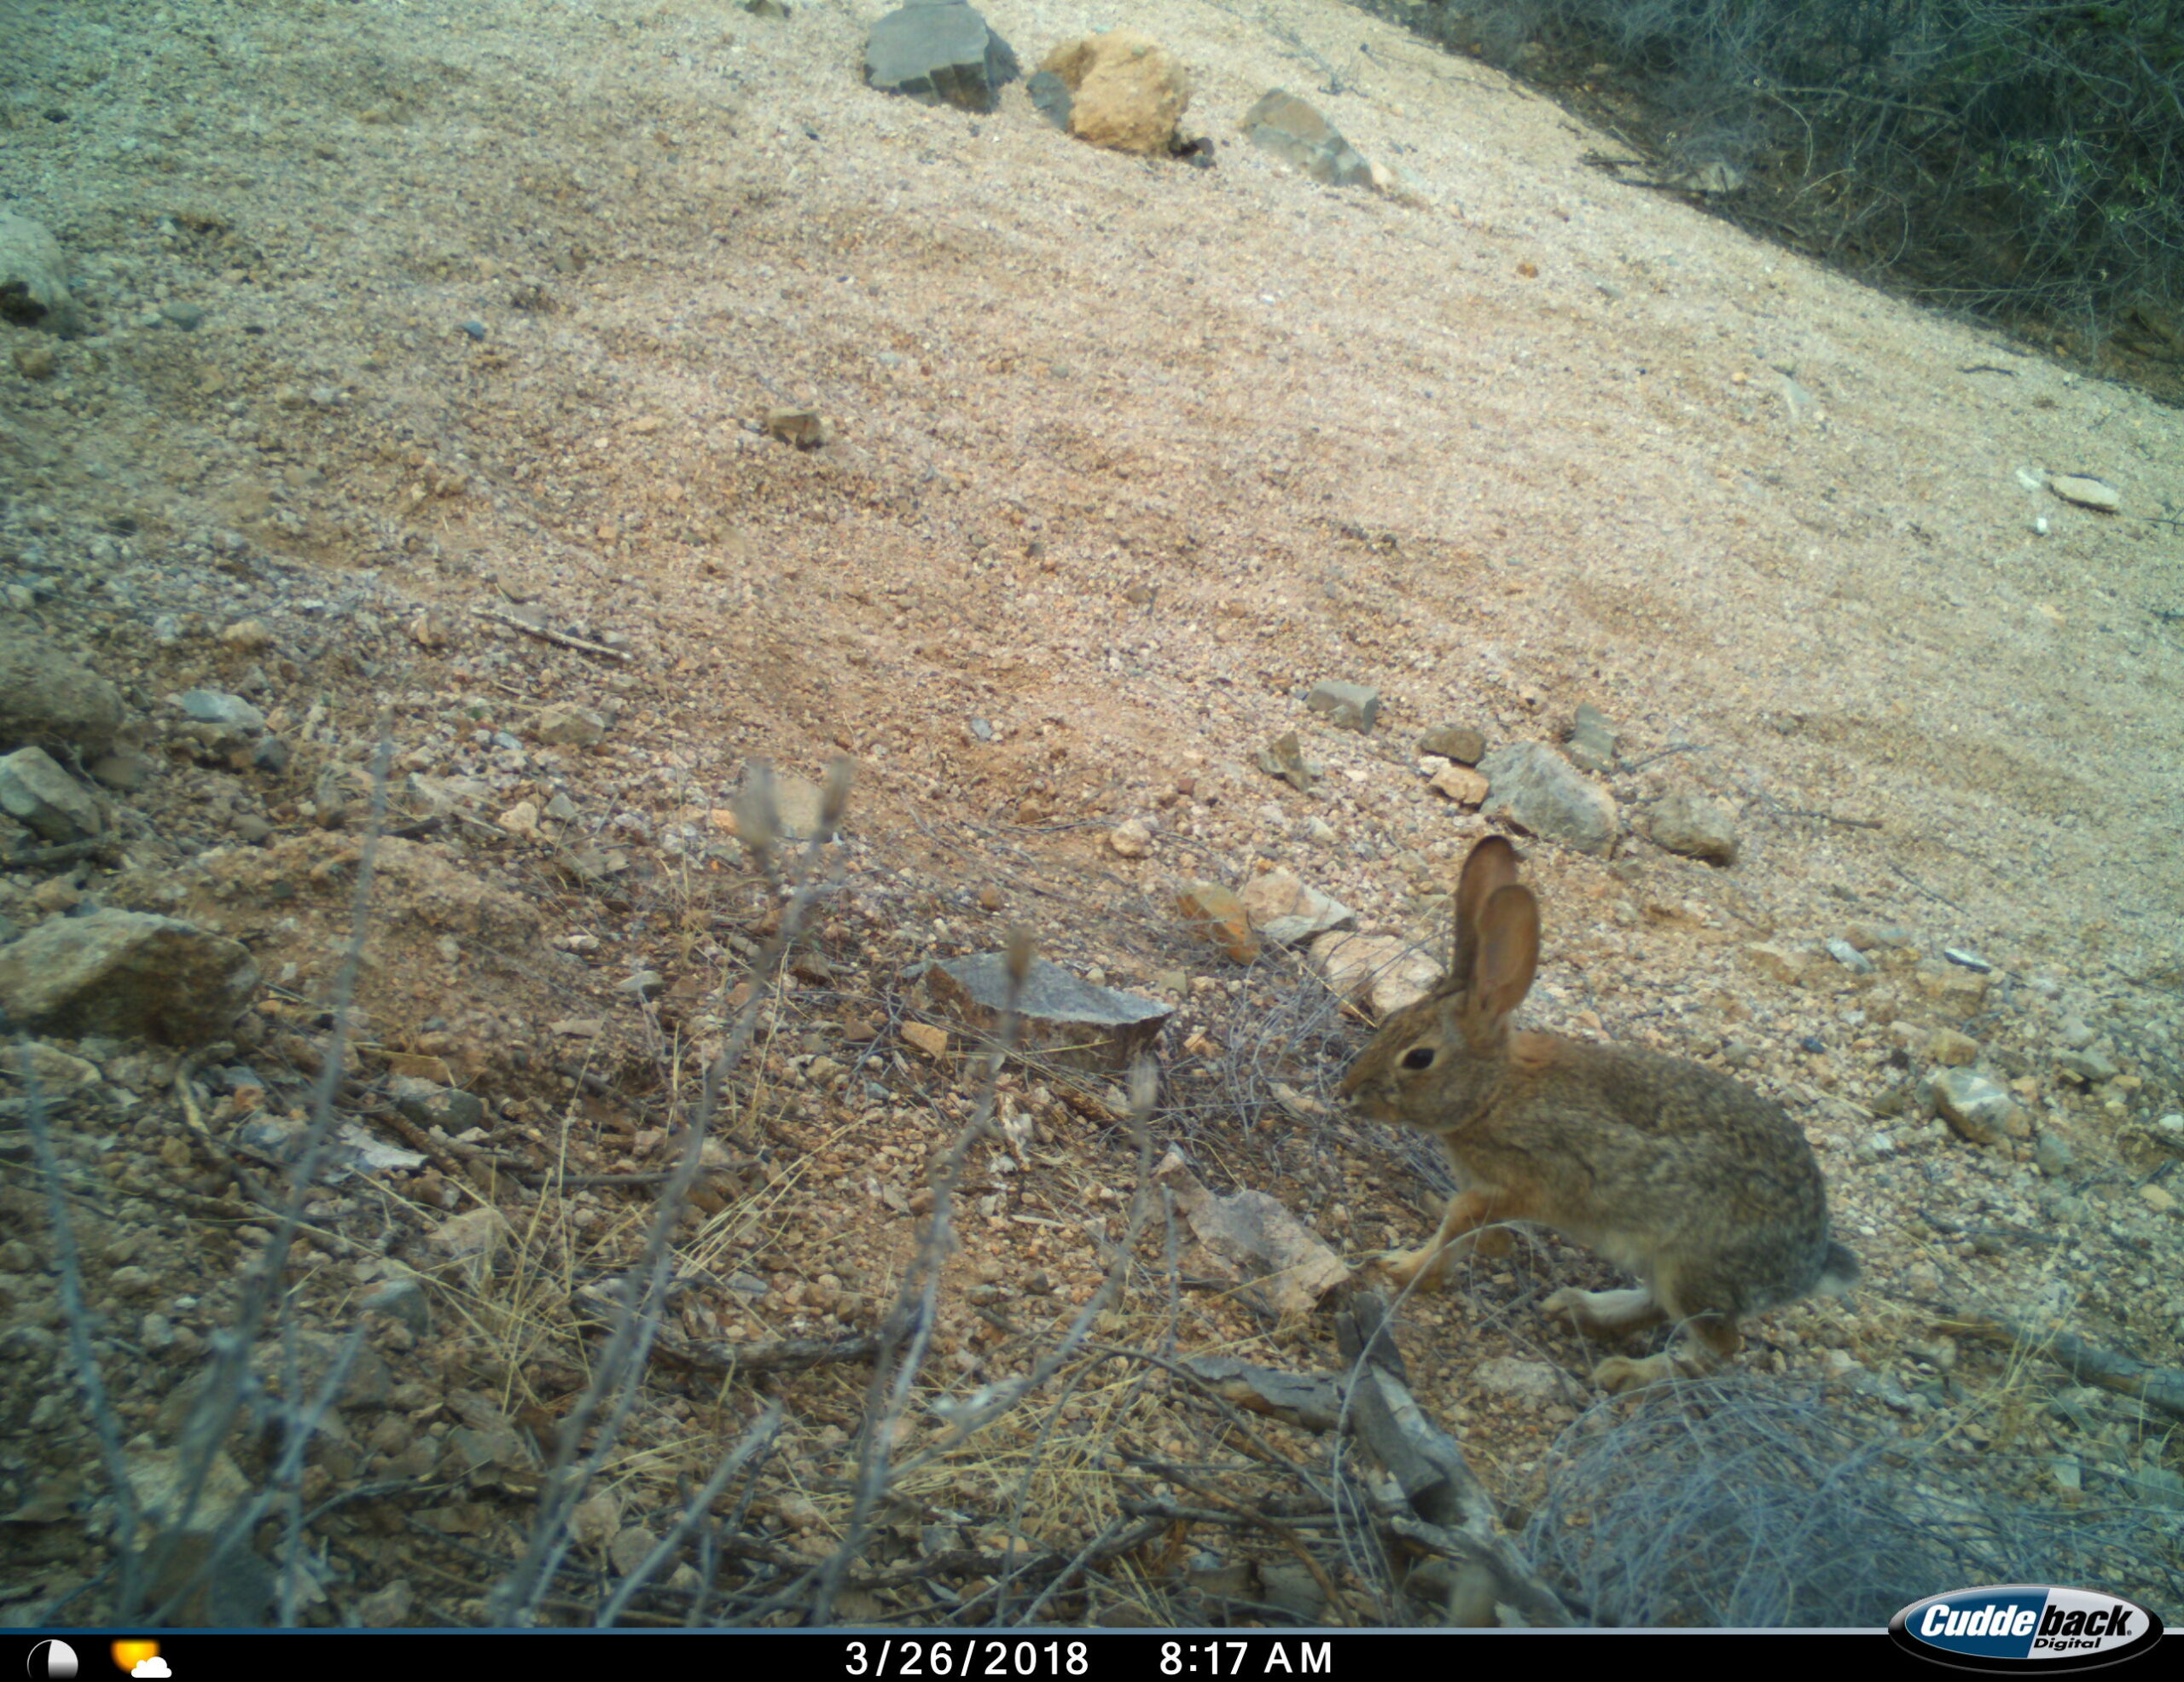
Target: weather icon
(154,1666)
(134,1657)
(52,1659)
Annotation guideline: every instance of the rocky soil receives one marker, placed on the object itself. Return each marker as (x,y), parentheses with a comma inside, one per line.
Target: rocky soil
(409,474)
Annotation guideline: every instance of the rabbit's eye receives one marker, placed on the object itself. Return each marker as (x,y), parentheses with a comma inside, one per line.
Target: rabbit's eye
(1418,1057)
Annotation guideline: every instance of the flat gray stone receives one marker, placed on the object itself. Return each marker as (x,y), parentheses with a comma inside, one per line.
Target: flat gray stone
(1063,1019)
(126,973)
(1593,742)
(428,1103)
(1287,911)
(2086,491)
(562,724)
(1535,788)
(939,52)
(37,792)
(230,712)
(1697,826)
(1353,706)
(49,701)
(1050,94)
(1459,742)
(1295,132)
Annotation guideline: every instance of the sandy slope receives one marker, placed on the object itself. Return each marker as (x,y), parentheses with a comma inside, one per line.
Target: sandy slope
(1536,439)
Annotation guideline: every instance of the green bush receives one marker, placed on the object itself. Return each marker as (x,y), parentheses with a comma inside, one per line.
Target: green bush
(2005,154)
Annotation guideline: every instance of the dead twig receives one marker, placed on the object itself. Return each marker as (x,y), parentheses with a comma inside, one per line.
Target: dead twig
(2158,1387)
(559,638)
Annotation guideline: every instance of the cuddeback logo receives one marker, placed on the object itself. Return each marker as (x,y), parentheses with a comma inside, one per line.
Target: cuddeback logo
(2024,1625)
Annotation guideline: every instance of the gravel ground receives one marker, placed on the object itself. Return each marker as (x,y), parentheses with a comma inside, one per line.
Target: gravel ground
(420,401)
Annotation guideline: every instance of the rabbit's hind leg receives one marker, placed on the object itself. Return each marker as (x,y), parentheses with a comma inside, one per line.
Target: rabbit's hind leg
(1606,1313)
(1703,1342)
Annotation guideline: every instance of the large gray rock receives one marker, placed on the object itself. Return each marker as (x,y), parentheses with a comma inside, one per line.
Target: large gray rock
(1284,124)
(1067,1020)
(126,973)
(939,52)
(34,278)
(37,792)
(51,702)
(1541,792)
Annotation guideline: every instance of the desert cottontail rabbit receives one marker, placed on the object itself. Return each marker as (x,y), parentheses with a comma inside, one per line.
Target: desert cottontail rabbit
(1705,1190)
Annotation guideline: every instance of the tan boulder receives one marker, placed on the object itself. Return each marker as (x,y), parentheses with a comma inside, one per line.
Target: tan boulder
(1127,91)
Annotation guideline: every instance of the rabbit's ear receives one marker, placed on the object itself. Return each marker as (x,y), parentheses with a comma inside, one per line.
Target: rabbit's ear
(1508,952)
(1492,865)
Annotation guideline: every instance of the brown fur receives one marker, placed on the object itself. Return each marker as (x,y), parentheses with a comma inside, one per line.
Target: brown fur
(1705,1190)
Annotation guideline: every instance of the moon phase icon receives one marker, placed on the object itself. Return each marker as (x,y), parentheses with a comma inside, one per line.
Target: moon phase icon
(53,1660)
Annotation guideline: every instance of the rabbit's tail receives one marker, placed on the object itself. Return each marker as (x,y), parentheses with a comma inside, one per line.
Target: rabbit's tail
(1840,1272)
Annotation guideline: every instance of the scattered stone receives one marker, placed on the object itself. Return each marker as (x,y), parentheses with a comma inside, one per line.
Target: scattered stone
(1877,936)
(1459,742)
(126,973)
(1785,964)
(1217,916)
(1461,784)
(51,702)
(942,54)
(927,1038)
(53,1069)
(1287,912)
(1697,826)
(1063,1019)
(37,792)
(1295,132)
(470,1240)
(1536,789)
(2086,491)
(1959,992)
(1953,1050)
(1526,1381)
(187,316)
(1126,91)
(2158,1198)
(431,1105)
(34,361)
(1592,742)
(1978,1109)
(402,1300)
(1284,757)
(2088,1068)
(1379,970)
(1249,1237)
(1132,838)
(34,278)
(1970,960)
(1348,706)
(2050,1154)
(269,755)
(562,724)
(2074,1033)
(1319,832)
(226,712)
(1849,956)
(1050,95)
(805,428)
